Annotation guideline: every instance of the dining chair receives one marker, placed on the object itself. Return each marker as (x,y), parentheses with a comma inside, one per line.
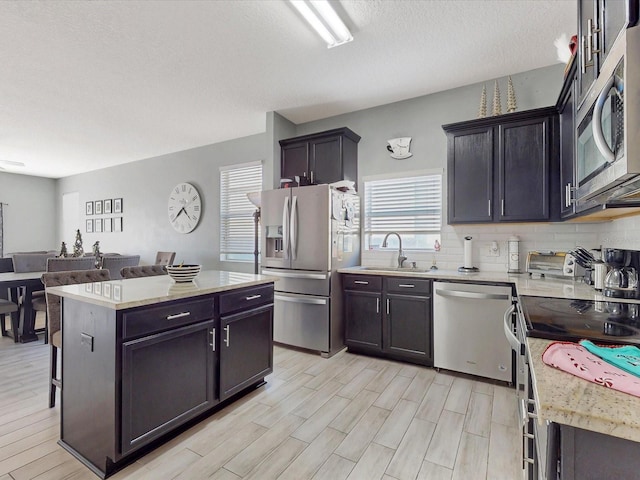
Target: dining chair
(7,307)
(70,263)
(165,258)
(56,279)
(31,262)
(143,271)
(115,264)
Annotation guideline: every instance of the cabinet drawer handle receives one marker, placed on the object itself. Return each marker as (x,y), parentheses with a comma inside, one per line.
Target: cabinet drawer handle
(387,306)
(360,282)
(213,339)
(502,207)
(489,207)
(377,305)
(178,315)
(226,338)
(406,285)
(252,297)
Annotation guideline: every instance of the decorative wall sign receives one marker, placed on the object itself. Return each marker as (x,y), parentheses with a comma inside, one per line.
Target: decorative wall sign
(399,147)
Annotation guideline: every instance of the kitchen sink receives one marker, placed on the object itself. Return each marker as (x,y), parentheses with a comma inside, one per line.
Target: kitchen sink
(397,269)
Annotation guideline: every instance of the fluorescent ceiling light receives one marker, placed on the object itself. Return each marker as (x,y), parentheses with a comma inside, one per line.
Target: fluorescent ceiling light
(324,19)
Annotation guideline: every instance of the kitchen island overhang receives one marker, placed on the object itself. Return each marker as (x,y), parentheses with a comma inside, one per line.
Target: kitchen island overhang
(145,357)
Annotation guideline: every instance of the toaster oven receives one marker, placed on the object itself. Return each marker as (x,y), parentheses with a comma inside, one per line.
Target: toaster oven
(556,264)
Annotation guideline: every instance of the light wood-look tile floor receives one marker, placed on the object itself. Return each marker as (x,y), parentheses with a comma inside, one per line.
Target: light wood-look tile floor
(347,417)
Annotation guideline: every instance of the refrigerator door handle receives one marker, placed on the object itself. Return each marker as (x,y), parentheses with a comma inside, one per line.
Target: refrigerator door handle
(285,228)
(293,228)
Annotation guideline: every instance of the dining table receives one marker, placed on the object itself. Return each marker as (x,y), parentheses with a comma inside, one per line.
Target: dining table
(12,285)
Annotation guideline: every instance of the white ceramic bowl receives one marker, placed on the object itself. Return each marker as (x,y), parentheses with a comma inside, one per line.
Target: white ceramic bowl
(183,273)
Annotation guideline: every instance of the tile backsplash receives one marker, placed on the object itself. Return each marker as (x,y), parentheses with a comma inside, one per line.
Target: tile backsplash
(621,233)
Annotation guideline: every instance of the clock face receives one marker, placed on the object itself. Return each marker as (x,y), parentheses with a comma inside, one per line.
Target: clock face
(184,207)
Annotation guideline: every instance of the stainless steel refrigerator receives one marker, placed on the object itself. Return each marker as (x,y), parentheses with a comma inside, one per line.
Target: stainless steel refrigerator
(308,233)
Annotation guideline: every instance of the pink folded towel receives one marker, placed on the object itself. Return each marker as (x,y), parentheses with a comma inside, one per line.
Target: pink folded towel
(578,361)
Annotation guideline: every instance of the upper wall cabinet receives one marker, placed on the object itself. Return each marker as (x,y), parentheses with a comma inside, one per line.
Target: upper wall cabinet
(324,157)
(599,23)
(498,168)
(566,111)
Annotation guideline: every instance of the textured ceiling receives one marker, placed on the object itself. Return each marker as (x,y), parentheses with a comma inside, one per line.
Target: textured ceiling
(86,85)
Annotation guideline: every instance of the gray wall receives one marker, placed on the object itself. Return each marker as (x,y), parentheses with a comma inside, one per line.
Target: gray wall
(30,217)
(144,187)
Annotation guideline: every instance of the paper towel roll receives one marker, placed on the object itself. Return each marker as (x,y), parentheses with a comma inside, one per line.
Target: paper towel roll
(468,253)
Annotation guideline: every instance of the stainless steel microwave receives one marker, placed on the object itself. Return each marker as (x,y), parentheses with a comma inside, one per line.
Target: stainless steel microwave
(608,129)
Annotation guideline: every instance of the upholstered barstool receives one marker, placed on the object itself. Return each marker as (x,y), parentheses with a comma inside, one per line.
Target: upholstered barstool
(143,271)
(115,264)
(55,279)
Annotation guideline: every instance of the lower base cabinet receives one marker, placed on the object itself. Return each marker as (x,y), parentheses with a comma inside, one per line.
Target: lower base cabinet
(389,316)
(246,349)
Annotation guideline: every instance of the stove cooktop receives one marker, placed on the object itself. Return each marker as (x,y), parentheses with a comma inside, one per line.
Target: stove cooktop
(570,320)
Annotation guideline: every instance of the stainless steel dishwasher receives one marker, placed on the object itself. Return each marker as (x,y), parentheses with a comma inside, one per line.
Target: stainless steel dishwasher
(468,331)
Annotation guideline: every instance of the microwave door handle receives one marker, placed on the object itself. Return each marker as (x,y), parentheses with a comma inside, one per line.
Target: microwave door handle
(598,134)
(293,229)
(285,228)
(508,332)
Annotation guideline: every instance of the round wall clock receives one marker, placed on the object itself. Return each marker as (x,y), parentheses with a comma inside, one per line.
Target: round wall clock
(184,207)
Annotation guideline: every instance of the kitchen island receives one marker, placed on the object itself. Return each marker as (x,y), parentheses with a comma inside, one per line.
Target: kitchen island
(144,357)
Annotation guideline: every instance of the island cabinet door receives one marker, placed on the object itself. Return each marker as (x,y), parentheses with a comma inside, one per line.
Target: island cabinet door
(246,349)
(167,379)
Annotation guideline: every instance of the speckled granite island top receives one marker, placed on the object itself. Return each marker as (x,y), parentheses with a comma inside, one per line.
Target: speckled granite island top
(136,292)
(570,400)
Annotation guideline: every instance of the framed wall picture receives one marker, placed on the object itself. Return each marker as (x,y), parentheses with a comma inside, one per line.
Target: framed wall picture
(97,227)
(117,224)
(107,225)
(97,207)
(117,205)
(107,206)
(90,225)
(89,208)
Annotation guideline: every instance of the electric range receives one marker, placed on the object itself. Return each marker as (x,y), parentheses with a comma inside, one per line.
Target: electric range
(571,320)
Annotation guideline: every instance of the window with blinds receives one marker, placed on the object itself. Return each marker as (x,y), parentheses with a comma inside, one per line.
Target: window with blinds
(410,206)
(236,211)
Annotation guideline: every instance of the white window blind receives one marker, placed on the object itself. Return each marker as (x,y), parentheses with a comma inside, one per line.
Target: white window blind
(410,206)
(236,211)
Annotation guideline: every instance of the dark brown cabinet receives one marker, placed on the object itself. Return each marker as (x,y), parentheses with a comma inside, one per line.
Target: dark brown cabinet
(407,319)
(566,116)
(362,302)
(499,168)
(157,395)
(324,157)
(389,316)
(150,369)
(599,24)
(246,352)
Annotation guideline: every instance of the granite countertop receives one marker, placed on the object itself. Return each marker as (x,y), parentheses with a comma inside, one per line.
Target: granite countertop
(136,292)
(525,285)
(570,400)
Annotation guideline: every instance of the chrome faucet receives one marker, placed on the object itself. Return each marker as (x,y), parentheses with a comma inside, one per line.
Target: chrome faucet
(401,257)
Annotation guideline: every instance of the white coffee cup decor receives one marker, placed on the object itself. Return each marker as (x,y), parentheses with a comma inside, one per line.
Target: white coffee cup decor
(399,147)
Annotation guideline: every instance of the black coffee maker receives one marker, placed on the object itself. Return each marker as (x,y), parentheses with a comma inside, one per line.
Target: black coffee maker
(622,279)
